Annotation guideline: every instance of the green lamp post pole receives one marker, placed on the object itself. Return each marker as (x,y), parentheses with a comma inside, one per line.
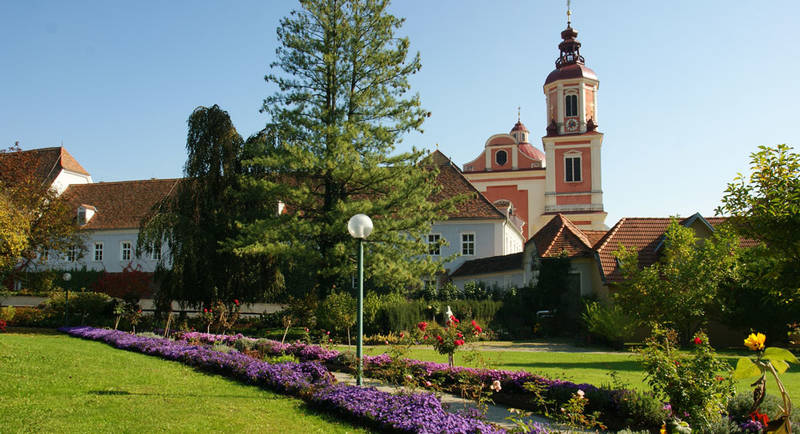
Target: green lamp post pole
(360,226)
(67,277)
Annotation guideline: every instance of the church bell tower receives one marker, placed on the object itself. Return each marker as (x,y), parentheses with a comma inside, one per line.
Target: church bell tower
(572,145)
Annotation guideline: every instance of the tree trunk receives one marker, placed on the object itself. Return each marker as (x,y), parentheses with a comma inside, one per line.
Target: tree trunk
(450,360)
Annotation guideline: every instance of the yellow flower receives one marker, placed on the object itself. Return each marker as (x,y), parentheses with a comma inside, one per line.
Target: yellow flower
(755,341)
(663,429)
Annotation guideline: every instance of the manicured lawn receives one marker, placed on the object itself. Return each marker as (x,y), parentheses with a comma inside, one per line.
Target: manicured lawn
(56,383)
(582,367)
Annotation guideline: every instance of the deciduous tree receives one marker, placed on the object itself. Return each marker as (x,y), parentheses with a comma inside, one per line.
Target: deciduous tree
(34,209)
(202,214)
(341,106)
(765,206)
(678,289)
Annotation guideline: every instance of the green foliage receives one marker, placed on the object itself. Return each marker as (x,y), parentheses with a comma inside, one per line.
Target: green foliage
(203,212)
(610,323)
(765,206)
(340,109)
(14,233)
(337,312)
(740,407)
(699,384)
(7,313)
(642,410)
(86,308)
(680,287)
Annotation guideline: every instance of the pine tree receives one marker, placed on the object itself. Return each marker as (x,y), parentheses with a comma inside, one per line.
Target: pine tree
(341,107)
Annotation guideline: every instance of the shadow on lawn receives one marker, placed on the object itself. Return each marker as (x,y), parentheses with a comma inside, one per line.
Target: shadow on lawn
(169,395)
(32,331)
(622,365)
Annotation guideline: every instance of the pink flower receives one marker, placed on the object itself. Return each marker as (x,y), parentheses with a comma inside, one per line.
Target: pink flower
(236,301)
(428,383)
(459,342)
(205,310)
(402,334)
(328,332)
(422,325)
(306,329)
(698,340)
(425,337)
(460,335)
(330,340)
(495,386)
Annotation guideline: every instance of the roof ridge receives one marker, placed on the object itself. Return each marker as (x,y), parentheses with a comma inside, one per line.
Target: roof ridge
(578,233)
(555,236)
(127,182)
(471,186)
(610,234)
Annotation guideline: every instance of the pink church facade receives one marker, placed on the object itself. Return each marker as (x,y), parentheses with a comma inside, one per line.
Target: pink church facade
(564,176)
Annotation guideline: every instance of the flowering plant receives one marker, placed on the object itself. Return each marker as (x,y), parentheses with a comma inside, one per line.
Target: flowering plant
(775,361)
(446,340)
(3,325)
(697,386)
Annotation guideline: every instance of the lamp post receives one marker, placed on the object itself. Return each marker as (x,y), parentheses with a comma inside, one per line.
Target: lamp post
(360,226)
(67,277)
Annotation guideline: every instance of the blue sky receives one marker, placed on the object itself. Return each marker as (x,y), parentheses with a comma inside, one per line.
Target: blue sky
(688,89)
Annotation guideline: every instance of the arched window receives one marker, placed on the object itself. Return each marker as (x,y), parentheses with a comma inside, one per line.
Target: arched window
(501,157)
(571,105)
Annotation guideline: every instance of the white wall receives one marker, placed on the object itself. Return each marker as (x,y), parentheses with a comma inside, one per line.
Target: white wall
(488,239)
(112,253)
(65,178)
(504,279)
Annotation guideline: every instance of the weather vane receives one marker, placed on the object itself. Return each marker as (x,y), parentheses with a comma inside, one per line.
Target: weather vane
(518,114)
(569,13)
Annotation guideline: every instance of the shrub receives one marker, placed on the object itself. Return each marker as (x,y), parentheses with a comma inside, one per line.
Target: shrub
(337,312)
(90,307)
(695,384)
(641,410)
(609,323)
(7,313)
(740,407)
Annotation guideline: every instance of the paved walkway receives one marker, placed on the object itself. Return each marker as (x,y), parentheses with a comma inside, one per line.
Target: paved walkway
(495,413)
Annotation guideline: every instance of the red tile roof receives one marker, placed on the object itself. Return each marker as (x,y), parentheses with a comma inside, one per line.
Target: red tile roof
(47,162)
(560,235)
(644,235)
(453,183)
(492,264)
(120,205)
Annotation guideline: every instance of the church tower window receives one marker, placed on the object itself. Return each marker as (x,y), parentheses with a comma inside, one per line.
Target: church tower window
(572,168)
(571,105)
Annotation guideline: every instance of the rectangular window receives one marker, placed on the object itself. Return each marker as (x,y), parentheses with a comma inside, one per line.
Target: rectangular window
(45,255)
(571,105)
(573,169)
(467,244)
(72,254)
(98,252)
(156,253)
(433,244)
(125,251)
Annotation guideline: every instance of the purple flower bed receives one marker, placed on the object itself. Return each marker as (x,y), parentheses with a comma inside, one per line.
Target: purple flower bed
(606,401)
(419,412)
(309,380)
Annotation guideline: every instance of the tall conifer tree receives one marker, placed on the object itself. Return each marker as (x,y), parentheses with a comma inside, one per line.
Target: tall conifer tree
(341,107)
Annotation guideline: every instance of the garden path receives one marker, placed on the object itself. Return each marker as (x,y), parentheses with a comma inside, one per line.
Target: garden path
(495,413)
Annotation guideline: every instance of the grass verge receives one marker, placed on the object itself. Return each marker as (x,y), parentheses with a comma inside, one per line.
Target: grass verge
(55,383)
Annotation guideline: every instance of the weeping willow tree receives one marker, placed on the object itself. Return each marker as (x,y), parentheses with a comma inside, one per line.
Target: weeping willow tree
(342,105)
(200,215)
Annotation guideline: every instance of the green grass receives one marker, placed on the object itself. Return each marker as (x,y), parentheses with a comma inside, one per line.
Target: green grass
(583,367)
(55,383)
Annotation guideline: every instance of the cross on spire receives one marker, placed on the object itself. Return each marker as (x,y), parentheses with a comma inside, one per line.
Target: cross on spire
(518,108)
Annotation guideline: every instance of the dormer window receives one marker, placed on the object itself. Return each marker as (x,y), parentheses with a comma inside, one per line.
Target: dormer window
(85,213)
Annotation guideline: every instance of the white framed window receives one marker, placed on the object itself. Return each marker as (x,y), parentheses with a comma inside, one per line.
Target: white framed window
(72,253)
(98,252)
(156,253)
(468,244)
(434,249)
(572,167)
(45,255)
(125,249)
